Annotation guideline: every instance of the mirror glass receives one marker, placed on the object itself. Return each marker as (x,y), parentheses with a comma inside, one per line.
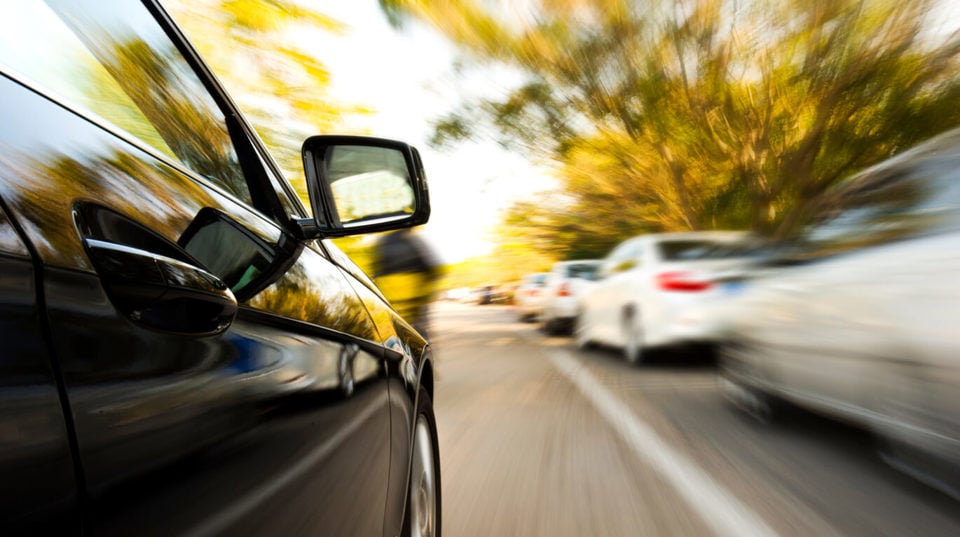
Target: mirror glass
(369,183)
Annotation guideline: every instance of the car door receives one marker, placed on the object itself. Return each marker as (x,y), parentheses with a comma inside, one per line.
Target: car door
(39,492)
(880,308)
(831,317)
(622,286)
(150,209)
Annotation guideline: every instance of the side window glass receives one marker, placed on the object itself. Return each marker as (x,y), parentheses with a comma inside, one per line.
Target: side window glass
(113,59)
(939,207)
(637,255)
(883,209)
(606,268)
(622,258)
(629,260)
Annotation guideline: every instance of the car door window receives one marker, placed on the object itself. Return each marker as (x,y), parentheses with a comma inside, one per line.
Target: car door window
(886,206)
(624,258)
(111,59)
(583,271)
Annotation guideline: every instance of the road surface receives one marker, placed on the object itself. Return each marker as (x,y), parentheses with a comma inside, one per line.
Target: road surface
(538,438)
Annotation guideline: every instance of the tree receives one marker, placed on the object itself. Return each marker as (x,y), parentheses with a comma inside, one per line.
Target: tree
(280,86)
(701,114)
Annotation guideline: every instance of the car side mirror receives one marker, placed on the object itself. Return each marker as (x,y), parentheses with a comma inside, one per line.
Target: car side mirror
(360,184)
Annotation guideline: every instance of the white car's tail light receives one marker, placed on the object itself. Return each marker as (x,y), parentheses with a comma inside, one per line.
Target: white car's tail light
(682,282)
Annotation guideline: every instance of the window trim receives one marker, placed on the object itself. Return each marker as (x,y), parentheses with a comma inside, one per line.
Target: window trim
(228,107)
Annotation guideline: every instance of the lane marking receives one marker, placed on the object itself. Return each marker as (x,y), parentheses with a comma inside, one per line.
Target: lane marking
(248,504)
(718,508)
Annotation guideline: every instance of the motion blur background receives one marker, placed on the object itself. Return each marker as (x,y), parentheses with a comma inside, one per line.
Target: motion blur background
(555,130)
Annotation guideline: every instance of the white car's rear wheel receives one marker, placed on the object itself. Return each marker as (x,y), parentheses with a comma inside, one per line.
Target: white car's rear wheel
(551,326)
(580,334)
(633,349)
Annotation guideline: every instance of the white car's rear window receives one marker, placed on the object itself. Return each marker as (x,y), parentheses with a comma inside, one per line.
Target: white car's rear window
(688,250)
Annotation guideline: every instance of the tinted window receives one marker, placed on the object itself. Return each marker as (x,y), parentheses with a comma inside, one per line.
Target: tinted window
(582,270)
(901,202)
(624,257)
(111,58)
(537,279)
(753,247)
(687,250)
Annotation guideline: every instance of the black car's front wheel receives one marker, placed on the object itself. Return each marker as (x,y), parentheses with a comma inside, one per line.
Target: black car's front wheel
(423,500)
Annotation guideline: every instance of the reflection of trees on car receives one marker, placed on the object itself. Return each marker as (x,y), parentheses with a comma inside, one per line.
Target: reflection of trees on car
(304,297)
(107,180)
(181,119)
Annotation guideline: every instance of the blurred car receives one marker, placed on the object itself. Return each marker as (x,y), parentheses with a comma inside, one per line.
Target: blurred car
(483,295)
(564,286)
(647,290)
(457,294)
(184,351)
(489,294)
(753,256)
(859,319)
(529,297)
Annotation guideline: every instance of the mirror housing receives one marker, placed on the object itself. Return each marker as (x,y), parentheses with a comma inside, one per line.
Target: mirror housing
(361,184)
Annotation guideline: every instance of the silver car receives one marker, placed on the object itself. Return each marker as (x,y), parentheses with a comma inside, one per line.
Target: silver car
(861,319)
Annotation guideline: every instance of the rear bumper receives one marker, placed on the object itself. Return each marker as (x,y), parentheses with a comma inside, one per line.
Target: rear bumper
(682,326)
(562,309)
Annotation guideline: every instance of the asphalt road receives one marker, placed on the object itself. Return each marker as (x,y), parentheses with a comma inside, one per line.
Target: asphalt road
(540,439)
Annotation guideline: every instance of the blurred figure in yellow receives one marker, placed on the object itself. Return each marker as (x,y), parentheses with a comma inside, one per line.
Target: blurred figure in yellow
(406,270)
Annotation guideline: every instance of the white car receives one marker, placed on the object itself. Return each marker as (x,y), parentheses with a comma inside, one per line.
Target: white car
(861,321)
(649,288)
(528,298)
(565,285)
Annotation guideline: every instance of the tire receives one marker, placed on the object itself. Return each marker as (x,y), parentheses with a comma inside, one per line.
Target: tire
(898,434)
(579,334)
(550,325)
(633,350)
(422,517)
(758,405)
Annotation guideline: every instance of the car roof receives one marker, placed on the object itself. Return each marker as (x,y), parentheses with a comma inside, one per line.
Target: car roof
(578,262)
(692,235)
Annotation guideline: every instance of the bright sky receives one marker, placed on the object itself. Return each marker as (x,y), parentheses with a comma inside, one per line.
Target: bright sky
(406,76)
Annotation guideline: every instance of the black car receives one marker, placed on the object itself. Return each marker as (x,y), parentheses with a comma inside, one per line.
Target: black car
(183,350)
